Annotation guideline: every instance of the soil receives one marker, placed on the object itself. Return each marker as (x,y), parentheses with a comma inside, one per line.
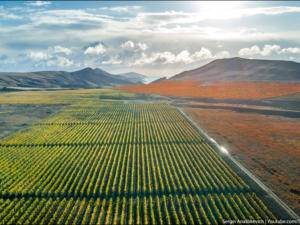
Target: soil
(267,145)
(16,117)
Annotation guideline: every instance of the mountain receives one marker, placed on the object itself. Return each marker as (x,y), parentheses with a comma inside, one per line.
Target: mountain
(85,78)
(159,80)
(234,78)
(138,78)
(134,77)
(240,69)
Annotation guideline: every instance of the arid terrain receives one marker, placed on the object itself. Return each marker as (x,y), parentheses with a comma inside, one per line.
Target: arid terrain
(267,145)
(232,90)
(15,117)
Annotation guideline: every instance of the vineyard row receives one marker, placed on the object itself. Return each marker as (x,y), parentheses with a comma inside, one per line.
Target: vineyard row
(168,209)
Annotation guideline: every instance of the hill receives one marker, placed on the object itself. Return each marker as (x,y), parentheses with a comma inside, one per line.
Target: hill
(85,78)
(240,69)
(233,90)
(233,78)
(159,80)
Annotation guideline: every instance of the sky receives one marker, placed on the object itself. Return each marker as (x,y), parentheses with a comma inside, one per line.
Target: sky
(151,38)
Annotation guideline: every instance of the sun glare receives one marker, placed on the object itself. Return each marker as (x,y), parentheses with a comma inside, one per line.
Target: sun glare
(219,9)
(224,150)
(213,140)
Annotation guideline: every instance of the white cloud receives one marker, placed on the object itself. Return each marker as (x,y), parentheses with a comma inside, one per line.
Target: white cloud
(67,30)
(112,61)
(5,14)
(38,56)
(96,50)
(162,57)
(10,16)
(215,13)
(204,53)
(267,50)
(187,58)
(158,57)
(291,50)
(38,3)
(60,49)
(128,45)
(124,8)
(184,57)
(142,46)
(121,8)
(270,10)
(60,62)
(48,58)
(69,16)
(131,46)
(254,50)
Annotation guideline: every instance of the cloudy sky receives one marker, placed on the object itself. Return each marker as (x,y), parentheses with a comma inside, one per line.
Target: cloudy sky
(152,38)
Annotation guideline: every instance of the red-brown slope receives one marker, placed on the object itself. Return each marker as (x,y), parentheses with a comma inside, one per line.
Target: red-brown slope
(243,70)
(267,145)
(230,90)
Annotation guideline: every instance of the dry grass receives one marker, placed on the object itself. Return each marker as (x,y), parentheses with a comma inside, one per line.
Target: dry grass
(234,90)
(268,145)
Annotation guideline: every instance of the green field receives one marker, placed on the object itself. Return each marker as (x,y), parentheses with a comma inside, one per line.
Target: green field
(103,160)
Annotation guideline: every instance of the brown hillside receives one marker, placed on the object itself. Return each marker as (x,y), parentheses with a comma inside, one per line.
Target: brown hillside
(232,90)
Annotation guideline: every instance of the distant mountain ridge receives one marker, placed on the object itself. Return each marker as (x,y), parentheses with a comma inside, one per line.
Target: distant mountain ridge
(85,78)
(218,71)
(136,77)
(159,80)
(241,69)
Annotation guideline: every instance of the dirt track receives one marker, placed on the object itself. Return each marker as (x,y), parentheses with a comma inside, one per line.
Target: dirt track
(275,112)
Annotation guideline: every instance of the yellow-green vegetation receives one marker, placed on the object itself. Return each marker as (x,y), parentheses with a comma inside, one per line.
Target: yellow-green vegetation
(101,161)
(62,97)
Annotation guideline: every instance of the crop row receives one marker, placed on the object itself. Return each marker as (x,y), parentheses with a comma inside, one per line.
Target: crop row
(122,169)
(119,163)
(118,113)
(167,209)
(146,127)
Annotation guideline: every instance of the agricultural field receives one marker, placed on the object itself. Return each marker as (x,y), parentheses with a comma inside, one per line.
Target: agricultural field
(66,97)
(109,158)
(268,145)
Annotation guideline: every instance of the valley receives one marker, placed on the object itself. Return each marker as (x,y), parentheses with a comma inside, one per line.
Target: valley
(134,154)
(121,159)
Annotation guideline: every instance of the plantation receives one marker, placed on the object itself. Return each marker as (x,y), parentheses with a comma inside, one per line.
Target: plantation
(102,161)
